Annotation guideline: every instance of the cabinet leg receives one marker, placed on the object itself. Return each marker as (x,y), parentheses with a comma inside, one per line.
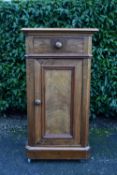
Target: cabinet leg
(29,160)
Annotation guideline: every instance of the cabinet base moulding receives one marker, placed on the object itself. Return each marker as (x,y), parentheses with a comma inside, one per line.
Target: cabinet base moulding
(58,152)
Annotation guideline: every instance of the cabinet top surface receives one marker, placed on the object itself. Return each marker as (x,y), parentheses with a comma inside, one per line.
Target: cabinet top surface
(84,30)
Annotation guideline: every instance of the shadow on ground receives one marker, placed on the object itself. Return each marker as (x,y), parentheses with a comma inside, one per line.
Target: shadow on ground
(13,161)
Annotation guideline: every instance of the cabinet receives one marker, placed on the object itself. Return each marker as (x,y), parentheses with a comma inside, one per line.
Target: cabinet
(58,85)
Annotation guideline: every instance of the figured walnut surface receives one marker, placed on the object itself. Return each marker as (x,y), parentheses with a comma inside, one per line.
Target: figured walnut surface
(60,79)
(43,45)
(57,101)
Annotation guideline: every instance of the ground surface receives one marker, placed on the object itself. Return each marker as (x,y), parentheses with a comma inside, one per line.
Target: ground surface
(103,161)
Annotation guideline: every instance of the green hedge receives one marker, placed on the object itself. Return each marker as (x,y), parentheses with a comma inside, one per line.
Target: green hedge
(101,14)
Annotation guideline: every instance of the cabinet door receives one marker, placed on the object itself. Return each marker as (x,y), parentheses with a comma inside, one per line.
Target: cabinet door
(58,85)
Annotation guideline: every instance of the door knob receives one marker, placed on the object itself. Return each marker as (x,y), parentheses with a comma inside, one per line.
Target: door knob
(37,102)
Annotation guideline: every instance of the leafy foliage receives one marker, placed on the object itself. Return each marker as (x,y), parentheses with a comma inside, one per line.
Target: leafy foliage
(15,15)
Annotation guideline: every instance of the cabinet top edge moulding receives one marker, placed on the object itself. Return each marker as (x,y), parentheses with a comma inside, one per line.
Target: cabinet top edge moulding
(81,30)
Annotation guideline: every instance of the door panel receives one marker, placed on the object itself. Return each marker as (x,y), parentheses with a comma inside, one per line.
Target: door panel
(61,102)
(58,99)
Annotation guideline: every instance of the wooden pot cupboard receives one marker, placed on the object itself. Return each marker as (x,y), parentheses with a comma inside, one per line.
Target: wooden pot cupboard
(58,62)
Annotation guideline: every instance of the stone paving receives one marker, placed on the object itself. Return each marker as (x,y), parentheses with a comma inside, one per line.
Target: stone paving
(13,161)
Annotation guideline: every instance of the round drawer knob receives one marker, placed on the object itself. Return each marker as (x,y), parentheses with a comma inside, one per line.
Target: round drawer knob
(58,44)
(37,102)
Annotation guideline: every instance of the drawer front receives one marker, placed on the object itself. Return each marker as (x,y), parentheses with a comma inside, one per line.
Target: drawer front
(56,45)
(59,45)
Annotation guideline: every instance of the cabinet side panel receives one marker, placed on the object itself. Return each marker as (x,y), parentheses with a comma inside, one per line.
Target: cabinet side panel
(85,102)
(77,100)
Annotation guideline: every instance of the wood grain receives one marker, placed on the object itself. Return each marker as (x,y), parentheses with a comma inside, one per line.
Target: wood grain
(72,68)
(30,101)
(57,101)
(47,45)
(37,108)
(42,45)
(85,101)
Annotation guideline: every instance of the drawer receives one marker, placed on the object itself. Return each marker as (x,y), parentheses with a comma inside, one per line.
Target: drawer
(59,45)
(56,45)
